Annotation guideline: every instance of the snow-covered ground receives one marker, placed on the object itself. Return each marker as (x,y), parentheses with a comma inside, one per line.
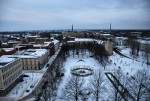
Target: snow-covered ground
(71,63)
(128,66)
(25,88)
(29,84)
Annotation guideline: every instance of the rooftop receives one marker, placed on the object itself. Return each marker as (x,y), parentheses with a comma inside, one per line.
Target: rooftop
(31,53)
(7,49)
(55,41)
(5,59)
(84,39)
(144,41)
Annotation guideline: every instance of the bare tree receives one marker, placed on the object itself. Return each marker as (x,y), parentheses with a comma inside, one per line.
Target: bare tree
(97,85)
(51,85)
(44,93)
(140,85)
(146,54)
(134,48)
(73,89)
(117,92)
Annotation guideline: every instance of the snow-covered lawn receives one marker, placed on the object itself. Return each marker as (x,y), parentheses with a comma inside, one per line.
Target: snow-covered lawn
(71,63)
(127,65)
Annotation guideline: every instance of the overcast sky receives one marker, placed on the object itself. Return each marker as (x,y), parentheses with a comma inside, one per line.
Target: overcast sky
(17,15)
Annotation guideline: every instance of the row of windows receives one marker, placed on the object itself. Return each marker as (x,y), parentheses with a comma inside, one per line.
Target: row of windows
(30,67)
(30,62)
(11,79)
(7,74)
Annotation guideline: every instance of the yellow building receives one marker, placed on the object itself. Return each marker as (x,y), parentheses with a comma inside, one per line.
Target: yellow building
(33,59)
(108,47)
(10,73)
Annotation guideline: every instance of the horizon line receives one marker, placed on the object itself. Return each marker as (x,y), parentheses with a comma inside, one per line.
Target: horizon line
(74,29)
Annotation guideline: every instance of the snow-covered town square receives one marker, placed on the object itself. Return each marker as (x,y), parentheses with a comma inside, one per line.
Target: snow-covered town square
(130,73)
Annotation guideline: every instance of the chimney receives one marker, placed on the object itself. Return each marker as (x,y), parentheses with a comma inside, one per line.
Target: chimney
(72,27)
(110,28)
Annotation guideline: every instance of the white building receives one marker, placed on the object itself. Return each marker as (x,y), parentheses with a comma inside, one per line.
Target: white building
(144,45)
(120,41)
(10,72)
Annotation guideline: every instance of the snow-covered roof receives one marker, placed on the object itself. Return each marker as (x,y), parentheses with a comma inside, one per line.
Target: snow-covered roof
(70,41)
(40,45)
(44,44)
(12,41)
(5,59)
(41,38)
(39,52)
(4,43)
(7,49)
(83,39)
(31,53)
(35,52)
(86,40)
(144,41)
(121,37)
(19,46)
(32,36)
(55,41)
(106,34)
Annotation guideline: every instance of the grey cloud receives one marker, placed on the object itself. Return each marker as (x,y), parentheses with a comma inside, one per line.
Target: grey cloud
(55,14)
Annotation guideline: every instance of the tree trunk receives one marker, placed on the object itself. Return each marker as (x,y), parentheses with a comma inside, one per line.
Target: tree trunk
(138,95)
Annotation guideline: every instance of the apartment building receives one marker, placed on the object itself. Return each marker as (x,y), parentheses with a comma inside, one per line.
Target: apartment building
(33,59)
(10,73)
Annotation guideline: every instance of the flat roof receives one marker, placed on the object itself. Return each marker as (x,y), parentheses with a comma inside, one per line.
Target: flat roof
(83,39)
(5,59)
(7,49)
(86,40)
(30,53)
(55,41)
(144,41)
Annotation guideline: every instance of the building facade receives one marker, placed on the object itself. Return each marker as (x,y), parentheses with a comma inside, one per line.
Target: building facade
(108,47)
(10,73)
(33,59)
